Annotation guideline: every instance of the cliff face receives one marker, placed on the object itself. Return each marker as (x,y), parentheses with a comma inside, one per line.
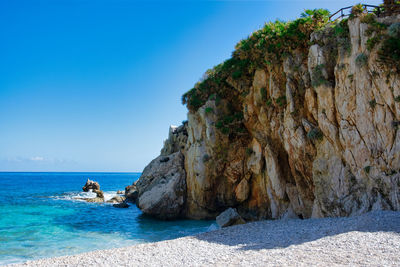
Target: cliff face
(311,135)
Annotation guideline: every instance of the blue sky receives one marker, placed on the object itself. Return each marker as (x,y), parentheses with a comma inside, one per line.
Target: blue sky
(93,85)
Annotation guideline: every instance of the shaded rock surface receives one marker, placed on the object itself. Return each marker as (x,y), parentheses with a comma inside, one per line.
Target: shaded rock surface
(131,193)
(162,187)
(122,205)
(116,199)
(229,217)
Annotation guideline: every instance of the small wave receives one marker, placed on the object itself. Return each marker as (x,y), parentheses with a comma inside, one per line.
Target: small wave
(74,195)
(78,196)
(109,195)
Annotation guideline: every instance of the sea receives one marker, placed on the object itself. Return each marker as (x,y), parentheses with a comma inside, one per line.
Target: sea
(40,217)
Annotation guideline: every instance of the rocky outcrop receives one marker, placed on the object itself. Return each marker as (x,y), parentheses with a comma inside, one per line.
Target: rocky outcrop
(98,199)
(176,141)
(122,205)
(162,187)
(131,193)
(313,135)
(229,217)
(90,185)
(95,188)
(116,200)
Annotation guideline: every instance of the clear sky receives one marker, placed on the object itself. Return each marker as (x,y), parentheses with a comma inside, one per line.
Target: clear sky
(93,85)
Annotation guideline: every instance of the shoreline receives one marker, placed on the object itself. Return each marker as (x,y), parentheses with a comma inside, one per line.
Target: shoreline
(370,239)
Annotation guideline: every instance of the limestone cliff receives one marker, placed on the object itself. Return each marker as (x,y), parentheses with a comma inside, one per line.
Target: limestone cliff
(310,132)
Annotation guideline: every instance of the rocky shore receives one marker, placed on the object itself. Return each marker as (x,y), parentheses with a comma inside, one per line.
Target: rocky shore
(372,239)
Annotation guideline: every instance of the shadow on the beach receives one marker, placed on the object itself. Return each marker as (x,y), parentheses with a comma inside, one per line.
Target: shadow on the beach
(284,233)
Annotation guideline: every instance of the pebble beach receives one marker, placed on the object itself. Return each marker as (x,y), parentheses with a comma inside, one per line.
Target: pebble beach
(371,239)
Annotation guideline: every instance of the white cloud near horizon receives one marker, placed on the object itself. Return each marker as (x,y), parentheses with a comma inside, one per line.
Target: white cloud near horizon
(37,163)
(37,158)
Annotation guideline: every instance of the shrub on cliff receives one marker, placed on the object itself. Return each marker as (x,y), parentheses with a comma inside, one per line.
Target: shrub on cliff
(357,10)
(389,53)
(361,60)
(215,84)
(394,30)
(261,49)
(315,134)
(277,39)
(389,38)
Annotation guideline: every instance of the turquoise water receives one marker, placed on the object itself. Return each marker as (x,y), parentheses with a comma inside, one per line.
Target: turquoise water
(40,217)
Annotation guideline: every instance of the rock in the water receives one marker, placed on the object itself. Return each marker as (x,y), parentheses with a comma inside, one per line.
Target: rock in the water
(99,193)
(121,205)
(94,200)
(131,193)
(119,192)
(229,217)
(116,199)
(98,199)
(162,187)
(90,185)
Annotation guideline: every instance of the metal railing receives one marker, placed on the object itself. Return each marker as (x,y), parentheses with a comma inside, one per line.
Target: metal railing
(344,11)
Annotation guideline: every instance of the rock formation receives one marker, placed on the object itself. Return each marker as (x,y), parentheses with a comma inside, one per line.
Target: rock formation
(98,199)
(116,200)
(176,141)
(162,187)
(131,193)
(122,205)
(228,218)
(310,132)
(90,185)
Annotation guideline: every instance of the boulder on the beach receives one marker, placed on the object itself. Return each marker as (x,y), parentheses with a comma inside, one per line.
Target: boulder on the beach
(116,199)
(229,217)
(289,214)
(162,187)
(120,192)
(121,205)
(90,185)
(131,193)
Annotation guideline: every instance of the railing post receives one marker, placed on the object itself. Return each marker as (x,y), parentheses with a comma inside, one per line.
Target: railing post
(342,14)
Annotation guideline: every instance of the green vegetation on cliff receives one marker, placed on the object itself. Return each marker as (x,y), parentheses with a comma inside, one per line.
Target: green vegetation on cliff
(269,46)
(278,39)
(261,49)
